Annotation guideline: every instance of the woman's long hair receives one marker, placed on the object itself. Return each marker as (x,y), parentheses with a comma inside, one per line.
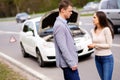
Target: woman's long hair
(103,21)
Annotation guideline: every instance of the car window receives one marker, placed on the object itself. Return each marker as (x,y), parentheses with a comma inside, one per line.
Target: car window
(118,2)
(37,25)
(23,14)
(109,4)
(104,5)
(28,27)
(25,29)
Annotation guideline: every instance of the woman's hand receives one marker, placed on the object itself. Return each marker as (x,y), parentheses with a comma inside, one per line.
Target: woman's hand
(91,46)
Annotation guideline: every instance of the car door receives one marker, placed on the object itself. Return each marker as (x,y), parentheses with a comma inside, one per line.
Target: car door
(29,40)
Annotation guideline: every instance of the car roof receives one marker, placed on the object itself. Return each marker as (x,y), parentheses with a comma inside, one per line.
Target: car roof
(107,0)
(21,13)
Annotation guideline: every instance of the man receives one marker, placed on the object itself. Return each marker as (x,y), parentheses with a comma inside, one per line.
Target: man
(66,55)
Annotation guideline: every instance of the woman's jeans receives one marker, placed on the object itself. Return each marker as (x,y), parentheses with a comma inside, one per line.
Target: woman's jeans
(104,66)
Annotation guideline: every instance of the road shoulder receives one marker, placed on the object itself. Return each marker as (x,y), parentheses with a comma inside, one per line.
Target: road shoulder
(29,73)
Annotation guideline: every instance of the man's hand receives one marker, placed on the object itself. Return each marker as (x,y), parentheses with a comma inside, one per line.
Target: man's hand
(74,68)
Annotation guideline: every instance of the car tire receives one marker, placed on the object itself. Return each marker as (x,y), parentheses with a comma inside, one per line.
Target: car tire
(25,55)
(39,58)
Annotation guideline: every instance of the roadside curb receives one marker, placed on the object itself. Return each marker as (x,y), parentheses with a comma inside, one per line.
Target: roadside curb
(24,67)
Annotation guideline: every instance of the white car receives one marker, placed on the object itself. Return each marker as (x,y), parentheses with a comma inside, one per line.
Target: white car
(36,37)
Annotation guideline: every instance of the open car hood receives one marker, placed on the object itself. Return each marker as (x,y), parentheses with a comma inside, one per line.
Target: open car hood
(47,22)
(49,18)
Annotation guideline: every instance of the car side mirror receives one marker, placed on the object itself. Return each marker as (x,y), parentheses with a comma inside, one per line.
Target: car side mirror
(29,33)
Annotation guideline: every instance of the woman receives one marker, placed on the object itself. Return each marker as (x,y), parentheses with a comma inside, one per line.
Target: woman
(102,36)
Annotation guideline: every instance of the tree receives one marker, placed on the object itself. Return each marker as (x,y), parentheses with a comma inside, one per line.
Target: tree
(18,4)
(11,7)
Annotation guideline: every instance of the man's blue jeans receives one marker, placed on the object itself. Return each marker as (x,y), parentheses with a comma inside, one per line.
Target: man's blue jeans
(104,66)
(70,75)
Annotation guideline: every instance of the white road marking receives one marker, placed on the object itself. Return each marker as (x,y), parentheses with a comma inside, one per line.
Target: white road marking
(24,67)
(6,32)
(116,45)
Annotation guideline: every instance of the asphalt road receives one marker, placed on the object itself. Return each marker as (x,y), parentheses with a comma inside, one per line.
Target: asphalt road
(86,66)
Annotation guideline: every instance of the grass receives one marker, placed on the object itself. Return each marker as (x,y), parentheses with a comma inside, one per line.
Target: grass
(7,73)
(86,14)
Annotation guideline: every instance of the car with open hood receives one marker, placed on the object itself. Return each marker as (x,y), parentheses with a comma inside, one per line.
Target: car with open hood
(36,37)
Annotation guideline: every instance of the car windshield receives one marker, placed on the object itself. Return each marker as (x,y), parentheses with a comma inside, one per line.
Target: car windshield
(37,25)
(75,30)
(22,14)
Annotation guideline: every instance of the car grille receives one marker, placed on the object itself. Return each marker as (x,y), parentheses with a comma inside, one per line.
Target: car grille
(51,57)
(90,49)
(80,51)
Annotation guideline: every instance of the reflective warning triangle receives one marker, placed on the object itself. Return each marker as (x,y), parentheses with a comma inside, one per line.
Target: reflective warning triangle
(12,39)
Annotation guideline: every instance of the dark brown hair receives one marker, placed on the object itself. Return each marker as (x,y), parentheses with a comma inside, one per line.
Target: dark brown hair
(64,4)
(103,21)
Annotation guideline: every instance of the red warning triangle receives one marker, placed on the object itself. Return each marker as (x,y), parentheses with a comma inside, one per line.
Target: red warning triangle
(12,39)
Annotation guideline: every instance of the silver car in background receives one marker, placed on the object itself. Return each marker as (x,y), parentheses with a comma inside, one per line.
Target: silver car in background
(112,10)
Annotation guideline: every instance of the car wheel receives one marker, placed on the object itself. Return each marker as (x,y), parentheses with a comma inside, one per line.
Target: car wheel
(23,52)
(39,58)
